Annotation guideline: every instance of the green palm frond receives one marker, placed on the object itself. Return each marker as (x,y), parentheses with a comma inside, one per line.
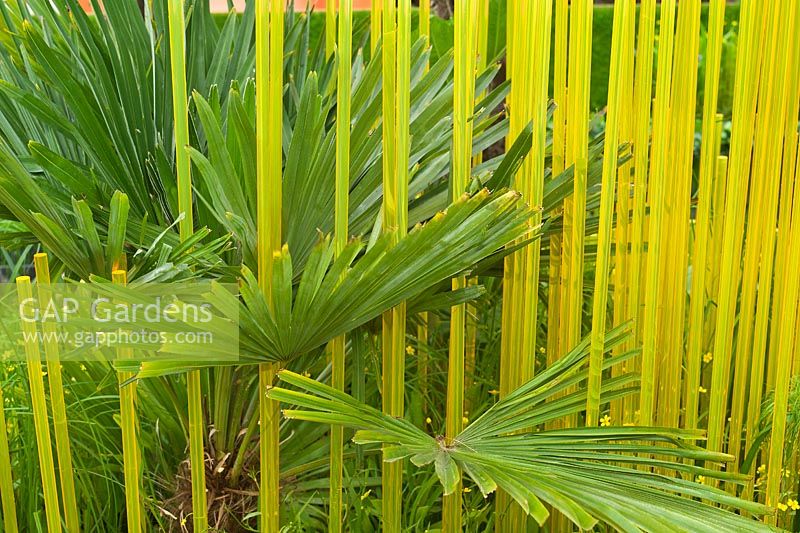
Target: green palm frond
(590,474)
(338,295)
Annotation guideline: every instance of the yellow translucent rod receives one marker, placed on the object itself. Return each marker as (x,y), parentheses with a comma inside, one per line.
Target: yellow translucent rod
(376,22)
(623,205)
(461,162)
(600,301)
(269,155)
(60,426)
(424,18)
(679,204)
(177,38)
(783,361)
(642,95)
(341,213)
(578,155)
(554,297)
(39,409)
(708,158)
(657,193)
(768,164)
(739,171)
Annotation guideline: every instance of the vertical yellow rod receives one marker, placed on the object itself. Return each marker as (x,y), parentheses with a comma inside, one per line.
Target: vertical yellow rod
(554,283)
(424,19)
(708,162)
(481,24)
(39,407)
(177,24)
(375,23)
(642,96)
(783,360)
(396,108)
(745,100)
(616,78)
(658,178)
(461,162)
(269,157)
(578,155)
(330,28)
(130,429)
(678,205)
(63,452)
(6,478)
(341,210)
(623,207)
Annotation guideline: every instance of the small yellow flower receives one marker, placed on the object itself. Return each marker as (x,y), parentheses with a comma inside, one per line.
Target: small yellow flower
(708,357)
(494,392)
(307,374)
(428,420)
(702,390)
(605,421)
(466,489)
(541,349)
(782,506)
(762,469)
(365,495)
(701,479)
(410,350)
(794,505)
(83,367)
(465,420)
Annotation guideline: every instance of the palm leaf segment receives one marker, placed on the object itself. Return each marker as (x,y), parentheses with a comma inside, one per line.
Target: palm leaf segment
(589,474)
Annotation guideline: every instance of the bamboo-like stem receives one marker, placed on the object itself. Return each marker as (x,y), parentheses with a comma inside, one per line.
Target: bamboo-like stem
(396,116)
(52,356)
(658,177)
(177,40)
(460,171)
(131,456)
(739,167)
(6,478)
(708,164)
(269,164)
(39,407)
(783,360)
(642,96)
(341,210)
(600,302)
